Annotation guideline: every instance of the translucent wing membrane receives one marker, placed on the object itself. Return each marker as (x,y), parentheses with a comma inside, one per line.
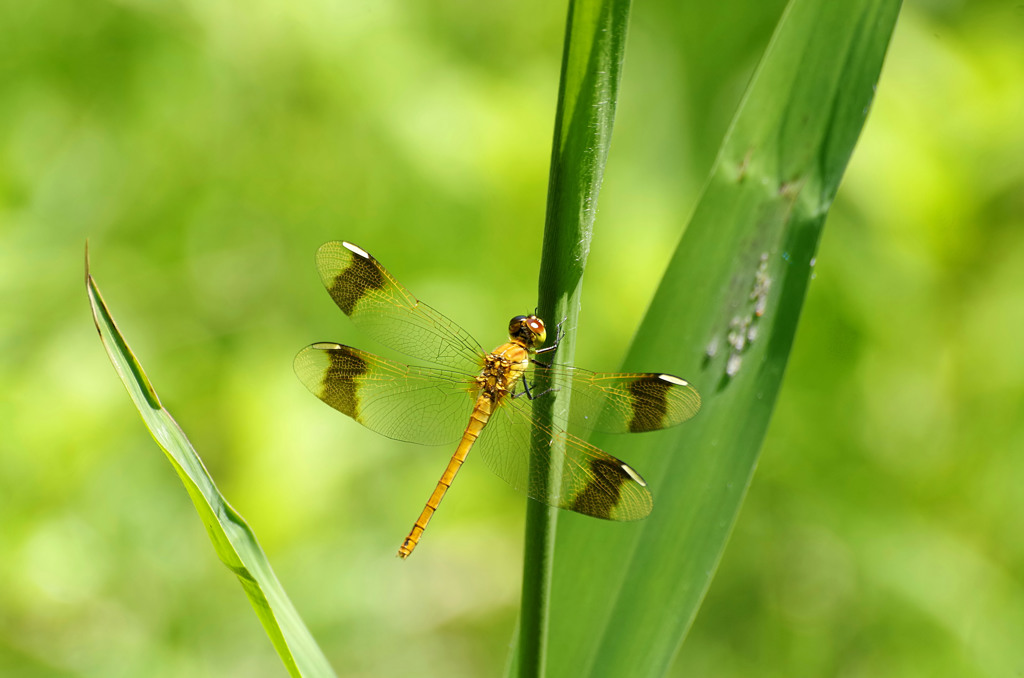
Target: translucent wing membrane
(625,403)
(416,404)
(382,307)
(594,483)
(433,406)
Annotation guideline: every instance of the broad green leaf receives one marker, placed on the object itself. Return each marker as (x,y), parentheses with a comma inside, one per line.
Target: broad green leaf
(233,540)
(724,317)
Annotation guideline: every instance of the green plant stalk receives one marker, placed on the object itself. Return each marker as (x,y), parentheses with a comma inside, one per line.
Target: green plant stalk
(233,540)
(591,67)
(744,264)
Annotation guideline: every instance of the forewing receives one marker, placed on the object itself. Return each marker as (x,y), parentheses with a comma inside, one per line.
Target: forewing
(624,402)
(593,483)
(416,404)
(381,306)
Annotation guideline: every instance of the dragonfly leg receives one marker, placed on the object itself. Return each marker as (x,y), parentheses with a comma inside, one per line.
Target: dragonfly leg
(526,391)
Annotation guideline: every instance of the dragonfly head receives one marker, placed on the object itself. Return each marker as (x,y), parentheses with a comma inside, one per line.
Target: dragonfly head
(527,330)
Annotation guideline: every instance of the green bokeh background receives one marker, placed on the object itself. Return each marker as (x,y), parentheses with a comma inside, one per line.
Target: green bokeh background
(206,148)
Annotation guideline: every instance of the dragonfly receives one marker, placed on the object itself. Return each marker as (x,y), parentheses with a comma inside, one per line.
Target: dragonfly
(483,401)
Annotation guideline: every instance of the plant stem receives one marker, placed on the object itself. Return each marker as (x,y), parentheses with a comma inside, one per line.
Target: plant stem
(591,66)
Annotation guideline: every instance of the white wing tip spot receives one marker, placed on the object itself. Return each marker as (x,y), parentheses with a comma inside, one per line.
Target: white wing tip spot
(355,249)
(326,346)
(673,380)
(634,475)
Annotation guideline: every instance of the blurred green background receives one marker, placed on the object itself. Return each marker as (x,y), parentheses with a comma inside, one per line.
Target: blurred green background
(206,148)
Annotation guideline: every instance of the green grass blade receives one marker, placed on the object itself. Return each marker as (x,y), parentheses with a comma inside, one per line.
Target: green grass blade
(233,540)
(624,596)
(591,66)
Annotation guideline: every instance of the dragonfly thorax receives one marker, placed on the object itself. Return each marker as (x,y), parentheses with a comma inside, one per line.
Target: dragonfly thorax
(502,369)
(527,331)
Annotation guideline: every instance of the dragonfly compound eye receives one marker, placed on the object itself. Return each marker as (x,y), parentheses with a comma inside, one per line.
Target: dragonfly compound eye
(536,326)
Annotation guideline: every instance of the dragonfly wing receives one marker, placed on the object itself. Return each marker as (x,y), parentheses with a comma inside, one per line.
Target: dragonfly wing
(624,402)
(416,404)
(593,483)
(382,307)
